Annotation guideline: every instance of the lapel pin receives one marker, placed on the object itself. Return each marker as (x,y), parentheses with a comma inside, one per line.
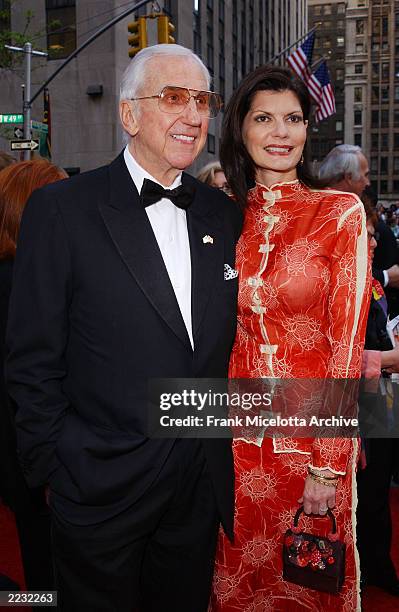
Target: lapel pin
(207,239)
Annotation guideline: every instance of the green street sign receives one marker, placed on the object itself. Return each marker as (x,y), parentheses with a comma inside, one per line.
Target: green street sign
(11,118)
(39,126)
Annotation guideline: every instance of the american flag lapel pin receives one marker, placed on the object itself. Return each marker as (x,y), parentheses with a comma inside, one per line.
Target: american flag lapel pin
(207,239)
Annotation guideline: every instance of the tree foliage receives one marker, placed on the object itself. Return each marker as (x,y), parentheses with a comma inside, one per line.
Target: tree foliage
(8,59)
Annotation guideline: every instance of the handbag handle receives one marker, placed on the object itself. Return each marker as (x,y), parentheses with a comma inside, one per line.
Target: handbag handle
(333,534)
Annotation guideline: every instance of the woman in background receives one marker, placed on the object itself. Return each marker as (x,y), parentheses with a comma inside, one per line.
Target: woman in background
(17,182)
(302,264)
(213,175)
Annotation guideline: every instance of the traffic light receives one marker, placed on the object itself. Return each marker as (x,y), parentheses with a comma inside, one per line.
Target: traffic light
(138,40)
(165,30)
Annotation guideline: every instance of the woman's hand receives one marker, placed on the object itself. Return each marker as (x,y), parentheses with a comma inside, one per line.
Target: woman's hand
(317,498)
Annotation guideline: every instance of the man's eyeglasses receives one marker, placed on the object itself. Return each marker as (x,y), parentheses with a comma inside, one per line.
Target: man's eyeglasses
(173,100)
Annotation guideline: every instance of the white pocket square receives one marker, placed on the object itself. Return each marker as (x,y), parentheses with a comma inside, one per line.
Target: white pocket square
(229,273)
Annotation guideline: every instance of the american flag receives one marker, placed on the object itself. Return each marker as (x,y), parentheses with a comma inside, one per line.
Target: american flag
(320,89)
(301,59)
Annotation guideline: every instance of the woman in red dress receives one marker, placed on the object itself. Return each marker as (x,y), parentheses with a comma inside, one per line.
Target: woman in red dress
(303,274)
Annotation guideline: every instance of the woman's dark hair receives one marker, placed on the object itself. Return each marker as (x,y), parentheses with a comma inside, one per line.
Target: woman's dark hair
(237,164)
(369,207)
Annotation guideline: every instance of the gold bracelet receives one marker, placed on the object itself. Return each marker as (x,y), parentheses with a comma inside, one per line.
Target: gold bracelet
(327,483)
(320,475)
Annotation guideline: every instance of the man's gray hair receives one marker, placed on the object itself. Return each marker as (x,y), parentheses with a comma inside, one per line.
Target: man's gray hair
(341,161)
(134,77)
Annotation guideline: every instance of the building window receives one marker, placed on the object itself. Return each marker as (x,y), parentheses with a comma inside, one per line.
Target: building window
(317,10)
(384,118)
(384,187)
(385,71)
(327,9)
(327,43)
(359,48)
(385,93)
(374,141)
(358,140)
(374,165)
(339,74)
(376,26)
(62,40)
(375,118)
(359,26)
(341,8)
(396,140)
(338,126)
(197,29)
(357,117)
(374,186)
(358,94)
(384,142)
(385,26)
(396,165)
(358,68)
(340,41)
(396,118)
(396,93)
(396,186)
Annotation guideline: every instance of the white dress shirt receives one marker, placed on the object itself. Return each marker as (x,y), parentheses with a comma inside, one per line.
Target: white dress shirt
(169,224)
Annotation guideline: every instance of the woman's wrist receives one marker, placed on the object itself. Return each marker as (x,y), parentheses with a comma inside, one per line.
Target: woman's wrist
(322,473)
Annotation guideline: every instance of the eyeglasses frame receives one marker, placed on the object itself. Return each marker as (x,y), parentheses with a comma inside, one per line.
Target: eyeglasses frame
(199,91)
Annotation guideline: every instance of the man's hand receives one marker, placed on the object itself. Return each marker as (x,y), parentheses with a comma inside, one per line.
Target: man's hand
(390,359)
(393,276)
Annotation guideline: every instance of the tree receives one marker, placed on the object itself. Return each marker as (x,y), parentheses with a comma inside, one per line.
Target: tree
(9,60)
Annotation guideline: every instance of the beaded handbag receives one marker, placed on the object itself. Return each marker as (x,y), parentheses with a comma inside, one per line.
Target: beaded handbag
(312,561)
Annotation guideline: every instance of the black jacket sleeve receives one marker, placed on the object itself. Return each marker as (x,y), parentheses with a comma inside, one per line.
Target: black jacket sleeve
(37,335)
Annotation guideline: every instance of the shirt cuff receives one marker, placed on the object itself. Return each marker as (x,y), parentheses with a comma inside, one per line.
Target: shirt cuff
(386,277)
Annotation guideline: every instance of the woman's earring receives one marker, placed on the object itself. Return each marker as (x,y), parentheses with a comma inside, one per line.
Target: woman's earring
(301,160)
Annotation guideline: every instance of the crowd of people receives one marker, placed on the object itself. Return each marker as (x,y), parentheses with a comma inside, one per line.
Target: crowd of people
(256,269)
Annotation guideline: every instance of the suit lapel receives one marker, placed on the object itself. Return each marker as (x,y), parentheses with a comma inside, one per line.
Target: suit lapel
(203,220)
(131,232)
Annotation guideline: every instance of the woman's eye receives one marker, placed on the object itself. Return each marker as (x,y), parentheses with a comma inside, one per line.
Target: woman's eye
(261,118)
(295,119)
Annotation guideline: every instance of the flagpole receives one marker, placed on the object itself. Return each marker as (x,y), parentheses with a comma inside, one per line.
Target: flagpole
(276,57)
(322,59)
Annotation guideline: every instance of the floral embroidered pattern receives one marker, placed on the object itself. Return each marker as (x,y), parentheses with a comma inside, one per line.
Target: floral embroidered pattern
(302,314)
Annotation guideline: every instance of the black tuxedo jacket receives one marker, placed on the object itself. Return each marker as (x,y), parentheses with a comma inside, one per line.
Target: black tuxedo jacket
(93,316)
(386,255)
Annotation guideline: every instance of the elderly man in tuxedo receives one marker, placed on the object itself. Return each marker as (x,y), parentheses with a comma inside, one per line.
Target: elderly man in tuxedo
(114,285)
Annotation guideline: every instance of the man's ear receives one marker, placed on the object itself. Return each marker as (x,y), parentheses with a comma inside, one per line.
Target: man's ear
(128,117)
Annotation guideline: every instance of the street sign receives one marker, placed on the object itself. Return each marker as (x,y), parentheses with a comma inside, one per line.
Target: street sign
(11,118)
(18,132)
(24,145)
(39,126)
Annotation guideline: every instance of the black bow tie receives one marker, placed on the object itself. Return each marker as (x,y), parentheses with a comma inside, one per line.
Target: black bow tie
(181,196)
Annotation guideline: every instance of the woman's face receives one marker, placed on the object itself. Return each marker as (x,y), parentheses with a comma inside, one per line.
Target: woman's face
(274,134)
(220,181)
(372,240)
